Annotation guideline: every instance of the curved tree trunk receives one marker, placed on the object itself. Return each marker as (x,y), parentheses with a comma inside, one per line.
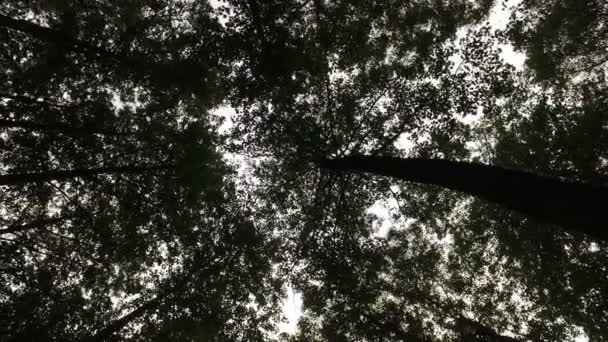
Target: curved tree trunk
(138,64)
(56,127)
(37,177)
(470,330)
(42,222)
(50,35)
(117,325)
(31,100)
(579,207)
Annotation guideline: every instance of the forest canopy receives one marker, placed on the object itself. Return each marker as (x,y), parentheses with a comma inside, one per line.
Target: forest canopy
(413,170)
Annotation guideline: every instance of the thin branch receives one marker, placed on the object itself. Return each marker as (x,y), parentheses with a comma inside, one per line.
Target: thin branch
(396,200)
(365,118)
(593,66)
(73,201)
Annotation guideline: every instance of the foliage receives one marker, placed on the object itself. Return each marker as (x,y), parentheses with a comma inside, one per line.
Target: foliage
(97,255)
(123,217)
(561,38)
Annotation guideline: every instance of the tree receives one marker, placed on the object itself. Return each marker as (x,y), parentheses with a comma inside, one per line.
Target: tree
(130,51)
(60,175)
(113,183)
(474,331)
(363,110)
(575,206)
(339,104)
(562,39)
(123,218)
(560,138)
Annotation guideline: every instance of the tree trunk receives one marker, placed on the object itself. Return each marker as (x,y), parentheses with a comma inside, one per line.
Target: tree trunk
(64,129)
(470,330)
(31,100)
(56,37)
(40,32)
(123,321)
(394,328)
(579,207)
(136,64)
(117,325)
(38,177)
(34,224)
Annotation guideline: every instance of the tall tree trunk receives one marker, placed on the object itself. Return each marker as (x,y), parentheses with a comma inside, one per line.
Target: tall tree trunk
(579,207)
(123,321)
(50,35)
(34,224)
(40,32)
(390,327)
(31,100)
(137,64)
(37,177)
(474,331)
(64,129)
(117,325)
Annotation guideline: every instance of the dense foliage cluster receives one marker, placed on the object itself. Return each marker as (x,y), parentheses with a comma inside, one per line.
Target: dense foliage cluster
(129,211)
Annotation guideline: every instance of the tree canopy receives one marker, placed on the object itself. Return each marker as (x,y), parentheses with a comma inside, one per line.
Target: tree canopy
(390,161)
